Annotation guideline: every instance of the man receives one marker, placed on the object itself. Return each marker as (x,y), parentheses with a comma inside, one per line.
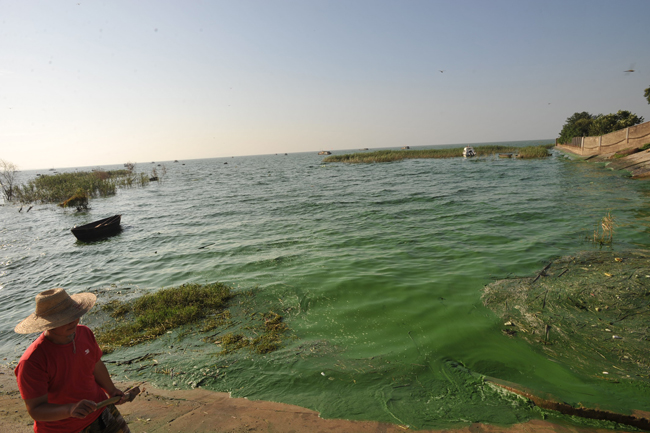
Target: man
(61,376)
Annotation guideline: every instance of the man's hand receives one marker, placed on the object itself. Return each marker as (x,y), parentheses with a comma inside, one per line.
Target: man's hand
(82,408)
(117,392)
(41,410)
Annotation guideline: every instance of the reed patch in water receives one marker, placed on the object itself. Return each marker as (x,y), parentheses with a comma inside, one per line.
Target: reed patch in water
(60,187)
(78,200)
(398,155)
(604,232)
(530,152)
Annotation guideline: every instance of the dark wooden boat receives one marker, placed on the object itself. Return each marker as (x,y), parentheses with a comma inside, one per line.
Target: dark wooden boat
(98,229)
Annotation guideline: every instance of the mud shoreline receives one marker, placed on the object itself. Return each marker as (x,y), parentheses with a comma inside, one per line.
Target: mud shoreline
(201,411)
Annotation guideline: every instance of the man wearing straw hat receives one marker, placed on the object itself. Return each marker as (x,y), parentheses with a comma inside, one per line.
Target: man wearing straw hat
(61,376)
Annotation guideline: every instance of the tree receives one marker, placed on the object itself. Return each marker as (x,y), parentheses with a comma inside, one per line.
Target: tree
(589,125)
(604,124)
(647,94)
(576,125)
(8,172)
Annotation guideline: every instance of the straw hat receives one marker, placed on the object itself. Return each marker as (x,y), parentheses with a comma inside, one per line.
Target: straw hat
(56,308)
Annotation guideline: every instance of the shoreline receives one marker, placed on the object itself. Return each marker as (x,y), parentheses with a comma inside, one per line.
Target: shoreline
(202,411)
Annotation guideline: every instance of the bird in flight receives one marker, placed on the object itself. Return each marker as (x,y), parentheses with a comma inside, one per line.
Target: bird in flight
(629,70)
(441,71)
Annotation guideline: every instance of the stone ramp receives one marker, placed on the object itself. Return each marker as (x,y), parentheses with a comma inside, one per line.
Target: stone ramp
(633,160)
(636,163)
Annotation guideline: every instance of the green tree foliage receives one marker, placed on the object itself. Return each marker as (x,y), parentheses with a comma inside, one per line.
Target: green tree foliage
(576,125)
(589,125)
(647,94)
(604,124)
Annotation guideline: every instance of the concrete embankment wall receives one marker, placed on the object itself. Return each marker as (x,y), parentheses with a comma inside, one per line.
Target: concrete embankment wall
(634,136)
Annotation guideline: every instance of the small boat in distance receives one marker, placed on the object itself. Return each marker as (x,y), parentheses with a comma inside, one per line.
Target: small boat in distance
(468,152)
(324,152)
(98,229)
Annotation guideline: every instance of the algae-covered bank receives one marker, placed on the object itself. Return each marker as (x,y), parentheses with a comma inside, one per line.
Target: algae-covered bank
(588,312)
(202,411)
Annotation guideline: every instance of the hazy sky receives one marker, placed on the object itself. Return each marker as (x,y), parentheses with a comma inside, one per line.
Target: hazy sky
(91,83)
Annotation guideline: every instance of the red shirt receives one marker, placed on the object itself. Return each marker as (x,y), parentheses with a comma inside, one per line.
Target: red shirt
(65,373)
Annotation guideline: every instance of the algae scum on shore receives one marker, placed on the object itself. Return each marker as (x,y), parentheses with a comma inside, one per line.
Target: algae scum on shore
(589,311)
(192,308)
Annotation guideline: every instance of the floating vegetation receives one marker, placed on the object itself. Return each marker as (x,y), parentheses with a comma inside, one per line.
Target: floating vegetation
(62,187)
(78,200)
(590,312)
(156,175)
(270,339)
(116,309)
(398,155)
(216,321)
(269,330)
(154,314)
(232,342)
(180,308)
(604,232)
(531,152)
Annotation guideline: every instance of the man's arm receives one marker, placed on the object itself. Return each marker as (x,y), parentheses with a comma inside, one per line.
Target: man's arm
(40,410)
(104,380)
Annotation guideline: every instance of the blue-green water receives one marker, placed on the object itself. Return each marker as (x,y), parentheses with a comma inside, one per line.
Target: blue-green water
(379,269)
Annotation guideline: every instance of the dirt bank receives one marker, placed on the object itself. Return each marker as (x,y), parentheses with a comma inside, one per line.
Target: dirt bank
(199,411)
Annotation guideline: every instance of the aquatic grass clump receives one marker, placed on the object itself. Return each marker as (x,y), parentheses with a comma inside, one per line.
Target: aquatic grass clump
(78,200)
(268,337)
(216,321)
(62,186)
(154,314)
(534,151)
(394,155)
(194,308)
(232,342)
(116,309)
(604,232)
(270,340)
(398,155)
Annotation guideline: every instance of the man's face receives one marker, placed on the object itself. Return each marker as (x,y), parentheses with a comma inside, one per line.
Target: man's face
(64,332)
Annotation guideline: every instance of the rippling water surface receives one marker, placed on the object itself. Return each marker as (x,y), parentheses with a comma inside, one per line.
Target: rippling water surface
(380,268)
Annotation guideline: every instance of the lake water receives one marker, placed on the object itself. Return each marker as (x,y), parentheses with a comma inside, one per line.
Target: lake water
(378,268)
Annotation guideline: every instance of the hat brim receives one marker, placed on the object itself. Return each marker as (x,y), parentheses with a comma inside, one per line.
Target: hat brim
(34,323)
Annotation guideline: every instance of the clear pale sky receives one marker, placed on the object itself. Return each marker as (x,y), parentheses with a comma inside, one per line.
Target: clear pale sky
(91,83)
